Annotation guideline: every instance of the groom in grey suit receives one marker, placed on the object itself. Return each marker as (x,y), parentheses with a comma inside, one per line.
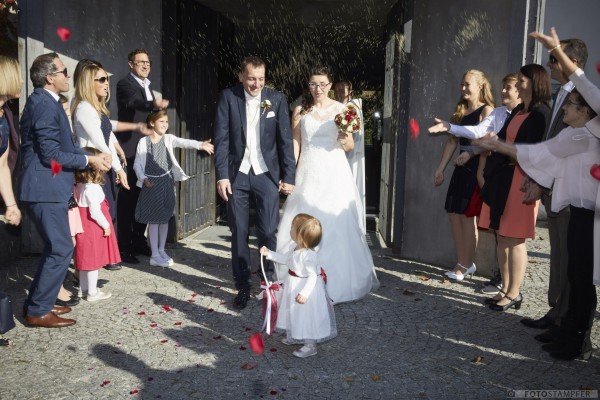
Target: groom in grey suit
(254,155)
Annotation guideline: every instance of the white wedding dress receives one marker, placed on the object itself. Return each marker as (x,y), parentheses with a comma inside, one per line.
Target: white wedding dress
(325,189)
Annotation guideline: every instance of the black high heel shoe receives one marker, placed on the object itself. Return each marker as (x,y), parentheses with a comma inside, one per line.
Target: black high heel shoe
(73,301)
(516,302)
(492,300)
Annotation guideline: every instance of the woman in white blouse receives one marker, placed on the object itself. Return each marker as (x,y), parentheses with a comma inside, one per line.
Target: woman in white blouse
(93,127)
(563,164)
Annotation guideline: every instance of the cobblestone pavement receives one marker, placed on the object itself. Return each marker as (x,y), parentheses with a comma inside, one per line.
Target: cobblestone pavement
(172,334)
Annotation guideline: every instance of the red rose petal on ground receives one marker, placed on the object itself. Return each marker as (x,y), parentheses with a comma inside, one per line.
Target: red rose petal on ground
(595,171)
(210,310)
(105,383)
(63,33)
(177,323)
(167,308)
(256,343)
(194,294)
(273,392)
(242,347)
(153,325)
(217,287)
(272,349)
(247,329)
(191,301)
(164,341)
(414,128)
(141,313)
(217,337)
(223,302)
(134,391)
(249,365)
(598,68)
(150,379)
(209,292)
(55,167)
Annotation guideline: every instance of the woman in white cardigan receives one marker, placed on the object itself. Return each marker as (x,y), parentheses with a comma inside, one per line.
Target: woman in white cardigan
(93,128)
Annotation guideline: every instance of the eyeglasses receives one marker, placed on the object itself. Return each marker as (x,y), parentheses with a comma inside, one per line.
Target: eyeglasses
(64,72)
(102,80)
(314,86)
(553,60)
(138,63)
(572,103)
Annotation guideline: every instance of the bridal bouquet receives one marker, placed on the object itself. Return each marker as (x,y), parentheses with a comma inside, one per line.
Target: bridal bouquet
(348,121)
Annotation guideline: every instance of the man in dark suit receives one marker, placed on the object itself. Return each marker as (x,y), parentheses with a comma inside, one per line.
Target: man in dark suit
(558,286)
(46,140)
(135,100)
(254,155)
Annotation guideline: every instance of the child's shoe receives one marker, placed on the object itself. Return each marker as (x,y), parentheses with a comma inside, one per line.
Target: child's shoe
(166,257)
(286,341)
(306,351)
(98,296)
(158,261)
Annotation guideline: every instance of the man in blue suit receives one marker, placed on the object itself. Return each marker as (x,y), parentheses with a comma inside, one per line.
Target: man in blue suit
(46,137)
(254,155)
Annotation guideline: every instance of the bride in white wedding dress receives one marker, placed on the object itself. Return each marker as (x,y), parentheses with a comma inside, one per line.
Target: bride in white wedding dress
(325,189)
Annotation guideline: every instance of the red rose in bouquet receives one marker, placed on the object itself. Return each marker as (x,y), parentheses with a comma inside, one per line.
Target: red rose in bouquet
(348,121)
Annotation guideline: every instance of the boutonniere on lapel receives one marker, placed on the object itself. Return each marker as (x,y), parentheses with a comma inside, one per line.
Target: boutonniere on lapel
(265,105)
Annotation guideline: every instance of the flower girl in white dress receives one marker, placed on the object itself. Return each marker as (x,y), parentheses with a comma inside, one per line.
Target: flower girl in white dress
(306,312)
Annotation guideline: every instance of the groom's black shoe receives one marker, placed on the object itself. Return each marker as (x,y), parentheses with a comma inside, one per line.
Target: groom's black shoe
(241,300)
(542,323)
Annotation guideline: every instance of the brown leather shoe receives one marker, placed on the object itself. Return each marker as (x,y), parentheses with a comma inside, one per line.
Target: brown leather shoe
(49,320)
(60,310)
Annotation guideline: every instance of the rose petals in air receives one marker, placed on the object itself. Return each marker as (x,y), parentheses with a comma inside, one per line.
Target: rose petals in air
(167,308)
(595,171)
(414,128)
(63,33)
(141,313)
(256,343)
(55,167)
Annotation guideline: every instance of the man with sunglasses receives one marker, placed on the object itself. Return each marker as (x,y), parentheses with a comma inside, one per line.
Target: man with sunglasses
(49,157)
(135,101)
(558,286)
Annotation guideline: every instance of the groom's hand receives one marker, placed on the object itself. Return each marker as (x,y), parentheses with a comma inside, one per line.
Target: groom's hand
(286,188)
(224,188)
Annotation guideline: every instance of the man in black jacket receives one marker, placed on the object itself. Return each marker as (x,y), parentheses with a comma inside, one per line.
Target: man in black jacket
(135,100)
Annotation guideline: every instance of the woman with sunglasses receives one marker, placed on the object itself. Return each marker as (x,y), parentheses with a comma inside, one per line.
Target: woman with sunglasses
(93,128)
(326,189)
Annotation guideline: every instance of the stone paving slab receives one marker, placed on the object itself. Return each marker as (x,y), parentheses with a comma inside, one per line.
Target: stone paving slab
(172,334)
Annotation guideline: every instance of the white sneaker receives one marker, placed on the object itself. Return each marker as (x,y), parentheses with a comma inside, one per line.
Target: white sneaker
(286,341)
(98,296)
(305,351)
(166,257)
(159,262)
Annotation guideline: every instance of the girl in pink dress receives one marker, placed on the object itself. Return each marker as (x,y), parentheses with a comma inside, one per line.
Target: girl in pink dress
(97,245)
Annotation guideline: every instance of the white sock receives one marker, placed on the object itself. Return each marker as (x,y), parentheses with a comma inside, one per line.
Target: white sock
(83,281)
(153,238)
(163,231)
(92,282)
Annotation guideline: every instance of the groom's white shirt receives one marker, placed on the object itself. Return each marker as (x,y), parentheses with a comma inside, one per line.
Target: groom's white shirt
(253,155)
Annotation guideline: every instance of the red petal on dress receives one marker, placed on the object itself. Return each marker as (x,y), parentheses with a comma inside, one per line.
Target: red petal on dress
(55,167)
(414,128)
(595,171)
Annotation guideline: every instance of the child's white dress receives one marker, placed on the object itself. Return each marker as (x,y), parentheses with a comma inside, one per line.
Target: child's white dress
(313,321)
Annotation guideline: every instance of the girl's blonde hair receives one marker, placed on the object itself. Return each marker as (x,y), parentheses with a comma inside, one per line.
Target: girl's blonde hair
(10,84)
(85,90)
(308,230)
(485,95)
(90,175)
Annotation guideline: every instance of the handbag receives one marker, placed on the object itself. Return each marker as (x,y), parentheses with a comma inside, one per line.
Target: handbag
(6,314)
(72,202)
